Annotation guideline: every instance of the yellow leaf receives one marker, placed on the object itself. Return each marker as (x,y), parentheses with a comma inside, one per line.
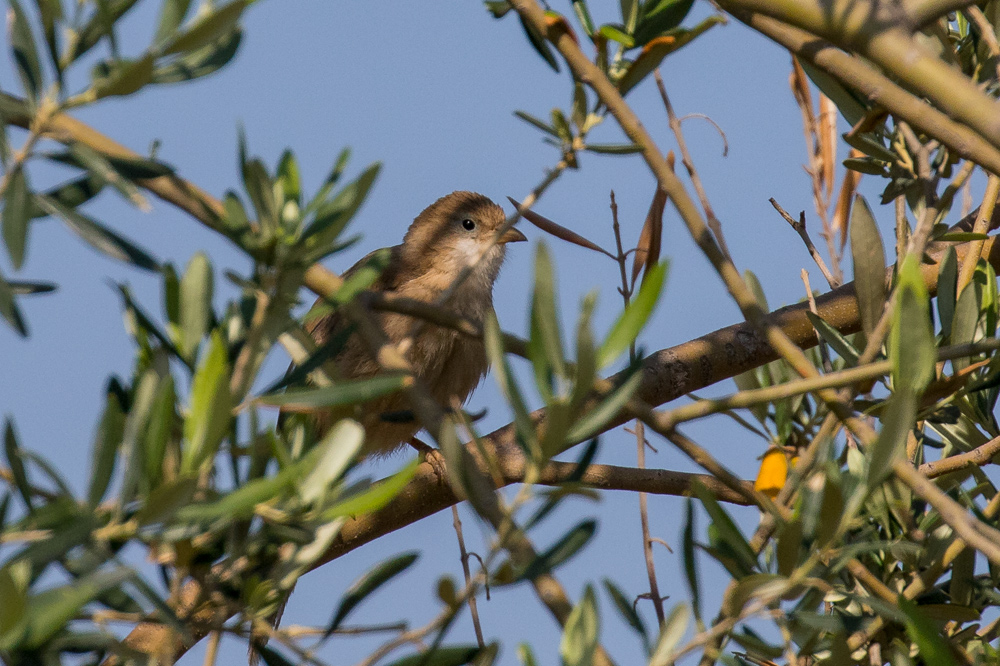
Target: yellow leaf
(772,474)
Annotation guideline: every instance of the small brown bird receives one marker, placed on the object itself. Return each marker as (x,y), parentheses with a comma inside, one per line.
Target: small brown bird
(453,233)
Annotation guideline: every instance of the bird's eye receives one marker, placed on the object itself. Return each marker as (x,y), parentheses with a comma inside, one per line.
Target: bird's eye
(468,224)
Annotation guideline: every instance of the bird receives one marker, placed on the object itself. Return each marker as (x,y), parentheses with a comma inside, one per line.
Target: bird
(455,232)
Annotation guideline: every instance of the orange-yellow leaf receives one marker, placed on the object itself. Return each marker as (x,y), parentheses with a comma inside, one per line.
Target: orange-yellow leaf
(773,473)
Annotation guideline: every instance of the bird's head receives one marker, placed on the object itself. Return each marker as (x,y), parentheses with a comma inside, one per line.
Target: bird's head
(457,231)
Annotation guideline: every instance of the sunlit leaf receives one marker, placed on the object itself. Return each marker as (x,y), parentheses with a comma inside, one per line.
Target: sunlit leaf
(580,634)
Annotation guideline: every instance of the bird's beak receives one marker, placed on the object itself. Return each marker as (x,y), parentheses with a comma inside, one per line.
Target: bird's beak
(512,236)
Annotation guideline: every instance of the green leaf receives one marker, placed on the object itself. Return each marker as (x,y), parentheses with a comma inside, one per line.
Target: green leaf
(15,602)
(912,349)
(545,345)
(868,254)
(200,62)
(594,420)
(965,322)
(162,417)
(288,176)
(333,216)
(659,16)
(498,8)
(579,638)
(331,180)
(625,609)
(867,165)
(851,105)
(166,499)
(625,330)
(614,148)
(540,124)
(457,655)
(71,194)
(586,357)
(374,498)
(583,14)
(23,288)
(891,443)
(122,77)
(933,648)
(172,15)
(15,461)
(9,310)
(833,337)
(566,547)
(16,215)
(345,392)
(729,534)
(330,459)
(49,612)
(673,631)
(493,341)
(538,43)
(97,27)
(690,561)
(101,167)
(206,28)
(209,414)
(630,14)
(196,292)
(240,503)
(97,236)
(25,53)
(106,442)
(617,33)
(136,423)
(375,578)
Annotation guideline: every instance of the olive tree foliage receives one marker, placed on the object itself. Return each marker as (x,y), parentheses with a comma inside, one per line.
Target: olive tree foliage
(877,542)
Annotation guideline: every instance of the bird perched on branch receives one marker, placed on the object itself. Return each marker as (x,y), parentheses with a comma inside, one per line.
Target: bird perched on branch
(454,233)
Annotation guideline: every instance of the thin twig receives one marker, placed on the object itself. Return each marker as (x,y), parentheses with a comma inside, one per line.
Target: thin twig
(464,556)
(800,228)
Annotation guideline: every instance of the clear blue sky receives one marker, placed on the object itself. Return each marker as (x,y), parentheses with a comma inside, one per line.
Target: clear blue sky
(430,89)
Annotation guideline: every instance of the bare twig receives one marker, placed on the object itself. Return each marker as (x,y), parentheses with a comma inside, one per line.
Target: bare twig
(800,228)
(464,556)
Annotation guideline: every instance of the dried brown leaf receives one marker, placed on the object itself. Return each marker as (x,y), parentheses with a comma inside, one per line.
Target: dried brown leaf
(828,142)
(557,230)
(647,252)
(842,211)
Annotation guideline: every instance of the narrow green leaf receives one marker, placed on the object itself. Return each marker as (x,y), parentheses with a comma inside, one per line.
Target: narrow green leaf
(596,419)
(105,448)
(200,62)
(122,77)
(71,194)
(330,459)
(288,175)
(15,602)
(673,631)
(891,443)
(617,33)
(965,322)
(833,337)
(132,451)
(23,288)
(15,461)
(851,105)
(660,16)
(162,417)
(537,41)
(933,647)
(540,124)
(374,498)
(625,609)
(209,414)
(614,148)
(346,392)
(492,337)
(240,503)
(583,14)
(728,532)
(912,349)
(9,310)
(206,28)
(102,167)
(331,181)
(586,357)
(545,334)
(97,27)
(97,236)
(449,655)
(630,14)
(196,293)
(869,264)
(166,499)
(333,216)
(49,612)
(25,52)
(172,15)
(580,634)
(690,561)
(625,330)
(16,215)
(375,578)
(566,547)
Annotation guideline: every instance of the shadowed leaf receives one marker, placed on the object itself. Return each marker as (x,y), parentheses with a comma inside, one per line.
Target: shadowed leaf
(869,264)
(378,576)
(647,252)
(557,230)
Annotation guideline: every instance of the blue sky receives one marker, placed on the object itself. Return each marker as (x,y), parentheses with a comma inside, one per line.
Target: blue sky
(429,89)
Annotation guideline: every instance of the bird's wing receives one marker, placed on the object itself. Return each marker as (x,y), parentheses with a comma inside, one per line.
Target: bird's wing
(322,328)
